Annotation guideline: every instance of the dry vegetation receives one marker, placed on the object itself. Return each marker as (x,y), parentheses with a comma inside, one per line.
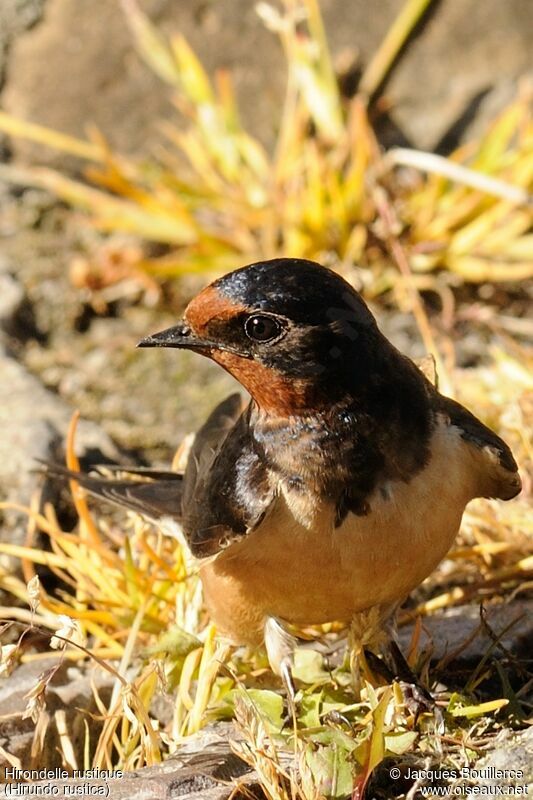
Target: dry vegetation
(128,600)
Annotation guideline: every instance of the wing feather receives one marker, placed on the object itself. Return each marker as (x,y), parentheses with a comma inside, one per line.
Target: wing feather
(222,495)
(151,498)
(497,470)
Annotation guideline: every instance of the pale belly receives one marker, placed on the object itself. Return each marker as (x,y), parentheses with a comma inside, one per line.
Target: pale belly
(298,567)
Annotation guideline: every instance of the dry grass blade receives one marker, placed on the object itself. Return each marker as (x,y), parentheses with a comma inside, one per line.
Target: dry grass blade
(438,165)
(54,139)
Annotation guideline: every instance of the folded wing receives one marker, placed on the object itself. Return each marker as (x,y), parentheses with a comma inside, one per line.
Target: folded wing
(493,462)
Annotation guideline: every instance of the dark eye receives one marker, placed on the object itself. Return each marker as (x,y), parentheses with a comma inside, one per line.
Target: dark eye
(261,328)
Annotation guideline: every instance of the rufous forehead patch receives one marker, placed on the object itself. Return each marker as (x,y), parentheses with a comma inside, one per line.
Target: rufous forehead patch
(210,304)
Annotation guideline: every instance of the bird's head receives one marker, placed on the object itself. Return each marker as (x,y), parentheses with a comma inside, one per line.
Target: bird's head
(292,332)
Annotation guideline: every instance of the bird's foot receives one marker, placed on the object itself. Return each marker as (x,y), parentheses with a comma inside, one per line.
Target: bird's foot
(280,646)
(419,701)
(290,689)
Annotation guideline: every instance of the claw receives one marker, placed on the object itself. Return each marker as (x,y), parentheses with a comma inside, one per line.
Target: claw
(419,701)
(288,682)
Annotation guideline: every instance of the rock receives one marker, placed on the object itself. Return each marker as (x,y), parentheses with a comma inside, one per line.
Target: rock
(462,51)
(17,319)
(34,423)
(205,768)
(16,16)
(512,752)
(93,74)
(493,103)
(11,299)
(455,637)
(448,630)
(93,67)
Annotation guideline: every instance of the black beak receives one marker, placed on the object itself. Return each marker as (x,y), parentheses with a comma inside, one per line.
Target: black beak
(179,335)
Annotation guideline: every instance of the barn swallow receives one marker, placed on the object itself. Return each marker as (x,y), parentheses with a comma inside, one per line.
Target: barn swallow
(338,487)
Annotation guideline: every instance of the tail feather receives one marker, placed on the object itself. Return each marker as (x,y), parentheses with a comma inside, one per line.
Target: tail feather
(157,495)
(137,473)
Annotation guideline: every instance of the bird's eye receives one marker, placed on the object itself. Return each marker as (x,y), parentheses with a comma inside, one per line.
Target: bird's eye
(261,328)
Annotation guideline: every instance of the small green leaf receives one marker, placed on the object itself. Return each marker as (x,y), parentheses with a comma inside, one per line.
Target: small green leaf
(480,710)
(309,667)
(335,736)
(377,743)
(400,743)
(309,706)
(174,641)
(332,771)
(268,703)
